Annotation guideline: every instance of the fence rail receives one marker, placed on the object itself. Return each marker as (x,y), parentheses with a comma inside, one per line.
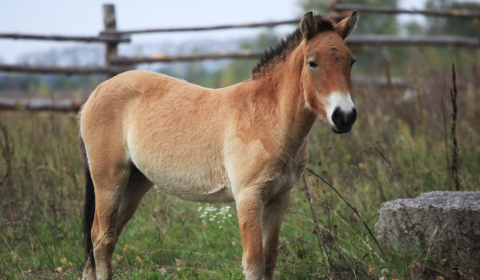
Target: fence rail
(63,70)
(391,10)
(354,42)
(335,7)
(174,58)
(40,104)
(205,28)
(414,40)
(88,39)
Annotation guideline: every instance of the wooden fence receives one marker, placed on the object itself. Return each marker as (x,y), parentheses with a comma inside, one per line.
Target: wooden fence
(114,63)
(61,104)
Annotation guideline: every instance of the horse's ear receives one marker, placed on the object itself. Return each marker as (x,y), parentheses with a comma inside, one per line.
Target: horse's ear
(308,26)
(346,26)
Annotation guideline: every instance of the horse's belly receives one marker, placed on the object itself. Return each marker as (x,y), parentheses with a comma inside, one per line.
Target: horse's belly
(181,165)
(191,183)
(198,192)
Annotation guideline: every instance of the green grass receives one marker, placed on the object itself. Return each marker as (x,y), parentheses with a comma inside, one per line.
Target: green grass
(383,158)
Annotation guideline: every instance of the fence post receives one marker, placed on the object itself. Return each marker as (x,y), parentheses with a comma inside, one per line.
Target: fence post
(110,24)
(336,14)
(332,10)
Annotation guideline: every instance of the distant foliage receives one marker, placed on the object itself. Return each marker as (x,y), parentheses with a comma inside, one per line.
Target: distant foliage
(453,26)
(72,56)
(368,23)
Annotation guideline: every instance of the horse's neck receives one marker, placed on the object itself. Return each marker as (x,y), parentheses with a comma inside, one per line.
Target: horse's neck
(285,80)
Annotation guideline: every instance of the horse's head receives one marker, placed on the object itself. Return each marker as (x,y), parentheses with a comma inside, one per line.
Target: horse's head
(326,78)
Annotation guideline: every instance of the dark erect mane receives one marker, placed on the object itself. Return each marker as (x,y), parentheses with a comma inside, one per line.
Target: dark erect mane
(277,54)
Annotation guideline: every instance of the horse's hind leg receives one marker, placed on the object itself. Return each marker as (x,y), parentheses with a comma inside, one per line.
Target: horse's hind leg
(110,172)
(117,211)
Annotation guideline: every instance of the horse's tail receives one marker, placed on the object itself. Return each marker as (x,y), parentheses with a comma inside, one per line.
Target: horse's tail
(89,207)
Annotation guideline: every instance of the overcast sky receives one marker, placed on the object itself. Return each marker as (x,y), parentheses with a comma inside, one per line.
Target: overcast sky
(64,17)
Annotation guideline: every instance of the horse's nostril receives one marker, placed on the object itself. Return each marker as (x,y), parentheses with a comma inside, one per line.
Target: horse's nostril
(342,120)
(352,117)
(336,116)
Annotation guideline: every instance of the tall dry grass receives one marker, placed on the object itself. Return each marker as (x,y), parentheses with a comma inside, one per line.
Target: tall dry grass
(399,147)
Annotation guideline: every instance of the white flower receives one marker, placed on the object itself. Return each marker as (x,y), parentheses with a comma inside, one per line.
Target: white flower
(211,213)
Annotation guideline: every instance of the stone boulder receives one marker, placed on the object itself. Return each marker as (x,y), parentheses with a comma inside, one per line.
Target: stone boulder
(447,223)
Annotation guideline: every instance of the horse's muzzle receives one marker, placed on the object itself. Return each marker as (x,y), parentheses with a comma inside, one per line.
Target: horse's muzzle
(343,120)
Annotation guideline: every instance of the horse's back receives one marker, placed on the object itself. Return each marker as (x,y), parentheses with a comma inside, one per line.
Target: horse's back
(136,83)
(127,95)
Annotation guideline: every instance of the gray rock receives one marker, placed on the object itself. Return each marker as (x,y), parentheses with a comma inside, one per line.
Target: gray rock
(445,223)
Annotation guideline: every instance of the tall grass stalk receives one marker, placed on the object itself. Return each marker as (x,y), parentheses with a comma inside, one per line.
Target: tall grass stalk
(453,95)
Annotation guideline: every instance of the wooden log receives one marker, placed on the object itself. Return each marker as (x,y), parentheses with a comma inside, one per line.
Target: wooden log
(61,70)
(460,41)
(195,57)
(40,104)
(174,58)
(355,43)
(102,38)
(394,10)
(214,27)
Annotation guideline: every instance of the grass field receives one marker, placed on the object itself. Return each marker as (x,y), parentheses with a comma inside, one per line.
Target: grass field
(399,147)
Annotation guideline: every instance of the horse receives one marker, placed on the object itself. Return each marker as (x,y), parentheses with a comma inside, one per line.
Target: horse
(246,143)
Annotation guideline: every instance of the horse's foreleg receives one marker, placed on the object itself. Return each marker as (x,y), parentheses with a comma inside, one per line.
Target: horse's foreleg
(249,207)
(272,218)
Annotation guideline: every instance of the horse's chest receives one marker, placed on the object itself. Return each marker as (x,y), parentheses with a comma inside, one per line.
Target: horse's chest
(283,181)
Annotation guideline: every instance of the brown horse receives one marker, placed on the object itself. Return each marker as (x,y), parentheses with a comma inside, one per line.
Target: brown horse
(245,143)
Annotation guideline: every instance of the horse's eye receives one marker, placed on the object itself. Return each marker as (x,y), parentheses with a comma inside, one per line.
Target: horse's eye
(312,64)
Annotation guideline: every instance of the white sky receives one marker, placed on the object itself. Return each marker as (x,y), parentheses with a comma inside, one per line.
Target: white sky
(66,17)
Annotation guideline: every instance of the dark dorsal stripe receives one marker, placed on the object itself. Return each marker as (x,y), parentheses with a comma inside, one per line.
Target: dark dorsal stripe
(278,53)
